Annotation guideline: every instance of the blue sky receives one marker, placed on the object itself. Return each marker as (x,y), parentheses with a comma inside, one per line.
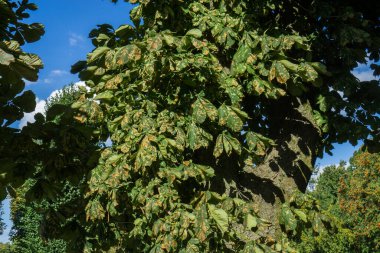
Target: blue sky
(68,24)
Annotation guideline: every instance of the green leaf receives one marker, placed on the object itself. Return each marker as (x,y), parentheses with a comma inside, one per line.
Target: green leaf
(219,216)
(279,72)
(242,54)
(287,218)
(229,117)
(125,31)
(32,60)
(257,143)
(300,214)
(5,58)
(106,95)
(126,54)
(97,53)
(169,39)
(202,108)
(307,72)
(197,137)
(196,33)
(218,149)
(318,224)
(321,101)
(27,101)
(250,221)
(320,68)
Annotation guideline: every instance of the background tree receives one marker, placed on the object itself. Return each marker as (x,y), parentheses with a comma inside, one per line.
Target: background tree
(45,213)
(5,248)
(28,217)
(351,197)
(327,185)
(359,200)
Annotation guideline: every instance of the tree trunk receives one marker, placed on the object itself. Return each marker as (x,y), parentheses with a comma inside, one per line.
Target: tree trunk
(288,166)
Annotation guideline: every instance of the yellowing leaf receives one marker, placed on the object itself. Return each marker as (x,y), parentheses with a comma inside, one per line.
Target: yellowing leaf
(202,108)
(196,33)
(219,216)
(229,117)
(279,72)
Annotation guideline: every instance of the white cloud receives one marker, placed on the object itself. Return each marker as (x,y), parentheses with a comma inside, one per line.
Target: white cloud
(75,39)
(47,80)
(29,117)
(58,72)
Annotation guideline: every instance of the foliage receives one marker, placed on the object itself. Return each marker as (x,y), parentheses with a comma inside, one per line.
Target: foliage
(16,66)
(32,218)
(65,96)
(216,111)
(5,247)
(196,95)
(326,190)
(26,236)
(359,200)
(351,196)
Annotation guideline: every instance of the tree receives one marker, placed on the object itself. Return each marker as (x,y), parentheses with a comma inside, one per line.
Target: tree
(16,66)
(45,213)
(28,217)
(217,111)
(326,190)
(5,248)
(359,200)
(351,196)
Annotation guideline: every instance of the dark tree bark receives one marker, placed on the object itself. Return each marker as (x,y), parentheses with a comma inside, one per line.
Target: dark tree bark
(288,166)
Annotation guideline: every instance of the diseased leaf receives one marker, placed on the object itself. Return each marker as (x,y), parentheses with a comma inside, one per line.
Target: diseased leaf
(230,118)
(106,95)
(202,108)
(219,216)
(287,218)
(196,33)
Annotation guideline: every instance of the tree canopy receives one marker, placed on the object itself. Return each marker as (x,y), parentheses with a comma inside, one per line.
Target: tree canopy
(16,67)
(217,111)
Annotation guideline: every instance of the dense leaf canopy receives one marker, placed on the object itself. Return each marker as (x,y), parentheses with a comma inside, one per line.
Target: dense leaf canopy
(16,67)
(216,111)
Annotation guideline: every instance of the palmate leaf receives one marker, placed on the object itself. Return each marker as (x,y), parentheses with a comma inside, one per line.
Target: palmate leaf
(147,153)
(219,216)
(196,33)
(257,143)
(225,142)
(242,54)
(97,53)
(233,89)
(27,101)
(126,54)
(307,72)
(203,108)
(231,117)
(197,137)
(287,218)
(5,58)
(279,72)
